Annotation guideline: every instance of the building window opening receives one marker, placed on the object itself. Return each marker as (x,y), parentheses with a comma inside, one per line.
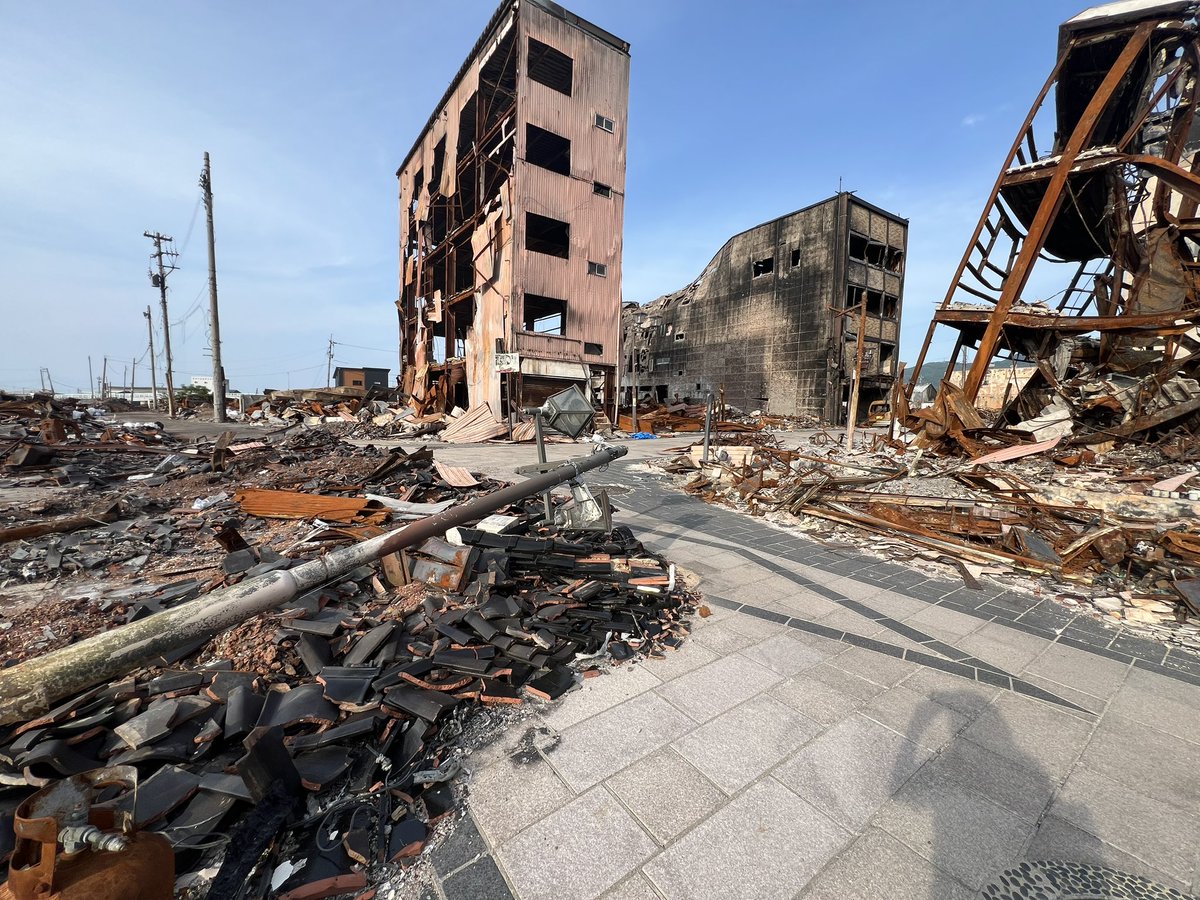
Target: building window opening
(466,126)
(604,123)
(763,266)
(602,189)
(599,269)
(858,247)
(680,336)
(875,253)
(887,355)
(550,67)
(591,349)
(548,150)
(895,260)
(546,235)
(545,315)
(795,257)
(891,306)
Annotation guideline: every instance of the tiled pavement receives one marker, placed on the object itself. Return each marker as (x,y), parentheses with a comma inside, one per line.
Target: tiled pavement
(837,728)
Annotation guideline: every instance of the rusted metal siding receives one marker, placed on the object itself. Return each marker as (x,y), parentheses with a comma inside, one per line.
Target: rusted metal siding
(600,85)
(504,271)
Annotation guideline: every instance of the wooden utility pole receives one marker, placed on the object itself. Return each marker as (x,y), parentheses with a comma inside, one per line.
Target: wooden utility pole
(159,280)
(153,375)
(213,318)
(329,364)
(91,380)
(132,379)
(852,415)
(104,380)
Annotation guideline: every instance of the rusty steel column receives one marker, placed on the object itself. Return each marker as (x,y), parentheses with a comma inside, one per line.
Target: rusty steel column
(1031,247)
(29,688)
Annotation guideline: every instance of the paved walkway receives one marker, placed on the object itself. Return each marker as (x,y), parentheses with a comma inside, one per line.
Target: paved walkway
(837,728)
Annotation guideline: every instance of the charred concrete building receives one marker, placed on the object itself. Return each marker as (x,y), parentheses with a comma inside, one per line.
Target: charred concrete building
(773,320)
(511,212)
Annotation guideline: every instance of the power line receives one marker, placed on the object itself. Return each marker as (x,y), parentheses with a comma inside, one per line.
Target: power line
(356,347)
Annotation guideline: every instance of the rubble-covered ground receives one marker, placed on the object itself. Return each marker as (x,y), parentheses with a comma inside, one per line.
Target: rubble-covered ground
(363,692)
(1116,533)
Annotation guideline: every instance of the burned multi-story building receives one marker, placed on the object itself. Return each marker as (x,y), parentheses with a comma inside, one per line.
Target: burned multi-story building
(773,321)
(511,209)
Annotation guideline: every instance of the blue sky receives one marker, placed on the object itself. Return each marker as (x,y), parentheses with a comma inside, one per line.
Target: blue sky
(738,113)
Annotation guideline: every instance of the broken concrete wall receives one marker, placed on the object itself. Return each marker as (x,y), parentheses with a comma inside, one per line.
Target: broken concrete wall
(762,321)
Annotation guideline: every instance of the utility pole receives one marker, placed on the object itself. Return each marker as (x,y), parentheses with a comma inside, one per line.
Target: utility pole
(159,280)
(214,320)
(329,364)
(153,375)
(91,380)
(132,380)
(104,380)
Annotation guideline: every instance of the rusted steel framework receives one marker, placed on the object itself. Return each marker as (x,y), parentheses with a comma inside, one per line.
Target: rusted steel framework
(1109,212)
(511,206)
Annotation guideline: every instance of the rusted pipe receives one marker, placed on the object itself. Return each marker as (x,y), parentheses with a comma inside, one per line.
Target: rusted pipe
(29,689)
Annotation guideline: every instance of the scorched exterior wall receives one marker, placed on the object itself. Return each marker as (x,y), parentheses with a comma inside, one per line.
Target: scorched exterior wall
(775,341)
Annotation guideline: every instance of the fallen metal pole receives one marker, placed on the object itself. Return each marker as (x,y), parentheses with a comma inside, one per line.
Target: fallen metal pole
(708,409)
(29,689)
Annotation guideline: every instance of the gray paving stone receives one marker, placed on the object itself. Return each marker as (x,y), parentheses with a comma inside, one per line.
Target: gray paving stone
(875,667)
(845,619)
(506,797)
(1164,836)
(1163,703)
(718,686)
(692,655)
(1061,841)
(604,744)
(479,881)
(1031,733)
(1093,704)
(464,844)
(1148,761)
(960,832)
(879,866)
(595,695)
(739,745)
(764,843)
(785,654)
(579,851)
(820,702)
(944,621)
(854,588)
(844,681)
(898,606)
(920,719)
(666,793)
(1087,672)
(722,638)
(852,769)
(1002,646)
(1025,792)
(754,627)
(962,696)
(635,887)
(807,605)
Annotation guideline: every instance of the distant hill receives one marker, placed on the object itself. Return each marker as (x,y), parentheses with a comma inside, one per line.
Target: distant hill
(934,372)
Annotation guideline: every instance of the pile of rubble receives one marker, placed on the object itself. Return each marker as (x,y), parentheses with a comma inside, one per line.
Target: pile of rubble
(1119,532)
(309,750)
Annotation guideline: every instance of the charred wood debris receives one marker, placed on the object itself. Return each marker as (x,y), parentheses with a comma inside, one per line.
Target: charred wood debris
(312,750)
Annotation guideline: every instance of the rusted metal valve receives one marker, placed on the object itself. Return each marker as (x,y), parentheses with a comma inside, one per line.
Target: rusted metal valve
(69,848)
